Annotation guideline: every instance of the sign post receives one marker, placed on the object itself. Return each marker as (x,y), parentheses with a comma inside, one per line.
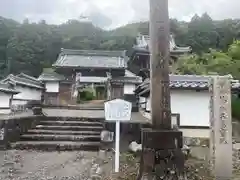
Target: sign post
(117,110)
(117,144)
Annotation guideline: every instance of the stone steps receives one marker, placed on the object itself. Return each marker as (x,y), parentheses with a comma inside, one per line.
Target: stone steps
(70,123)
(62,132)
(71,128)
(56,145)
(67,137)
(78,119)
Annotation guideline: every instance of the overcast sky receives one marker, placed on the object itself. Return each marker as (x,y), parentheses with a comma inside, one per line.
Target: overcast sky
(112,13)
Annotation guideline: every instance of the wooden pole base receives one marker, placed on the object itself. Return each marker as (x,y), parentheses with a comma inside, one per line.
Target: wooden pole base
(162,155)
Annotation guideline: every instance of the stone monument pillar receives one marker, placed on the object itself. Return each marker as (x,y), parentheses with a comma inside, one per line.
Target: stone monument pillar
(221,127)
(109,88)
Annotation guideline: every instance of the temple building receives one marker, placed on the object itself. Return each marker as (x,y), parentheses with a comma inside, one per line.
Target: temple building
(103,72)
(139,55)
(74,64)
(128,83)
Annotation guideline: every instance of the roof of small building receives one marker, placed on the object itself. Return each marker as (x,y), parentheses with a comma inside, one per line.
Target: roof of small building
(23,75)
(50,76)
(195,82)
(91,59)
(143,43)
(23,81)
(6,88)
(128,78)
(130,74)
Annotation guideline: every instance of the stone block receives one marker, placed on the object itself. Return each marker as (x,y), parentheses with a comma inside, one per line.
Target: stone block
(196,141)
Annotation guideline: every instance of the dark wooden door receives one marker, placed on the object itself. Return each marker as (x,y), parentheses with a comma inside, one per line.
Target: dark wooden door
(117,91)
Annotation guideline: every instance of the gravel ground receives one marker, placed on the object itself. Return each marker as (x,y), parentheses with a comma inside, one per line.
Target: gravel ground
(30,165)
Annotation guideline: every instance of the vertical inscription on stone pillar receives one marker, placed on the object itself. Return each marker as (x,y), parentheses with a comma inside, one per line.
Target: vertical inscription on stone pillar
(76,84)
(221,127)
(109,77)
(211,115)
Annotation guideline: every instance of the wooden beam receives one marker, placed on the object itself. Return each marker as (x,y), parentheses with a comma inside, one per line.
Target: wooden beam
(159,64)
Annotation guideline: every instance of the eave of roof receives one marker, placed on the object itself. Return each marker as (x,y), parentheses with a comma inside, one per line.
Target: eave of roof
(50,76)
(23,75)
(145,51)
(144,43)
(126,80)
(93,53)
(22,81)
(4,87)
(190,82)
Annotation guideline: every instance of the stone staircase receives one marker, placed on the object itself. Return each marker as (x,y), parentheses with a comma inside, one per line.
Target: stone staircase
(62,134)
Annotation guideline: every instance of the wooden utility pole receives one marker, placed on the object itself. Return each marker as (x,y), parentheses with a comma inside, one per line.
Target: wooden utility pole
(160,142)
(159,64)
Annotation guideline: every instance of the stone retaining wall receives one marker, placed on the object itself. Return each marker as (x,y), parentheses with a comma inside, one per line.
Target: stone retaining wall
(134,132)
(11,128)
(75,107)
(196,141)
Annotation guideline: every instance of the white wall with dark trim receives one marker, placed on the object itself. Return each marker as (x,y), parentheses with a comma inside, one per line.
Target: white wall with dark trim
(16,102)
(193,107)
(129,88)
(193,133)
(4,103)
(52,86)
(26,94)
(142,102)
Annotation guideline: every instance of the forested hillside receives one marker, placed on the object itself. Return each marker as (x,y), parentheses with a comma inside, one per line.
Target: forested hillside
(29,47)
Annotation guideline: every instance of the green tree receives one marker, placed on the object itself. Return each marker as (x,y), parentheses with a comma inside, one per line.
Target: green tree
(7,27)
(29,47)
(32,47)
(187,64)
(214,61)
(234,50)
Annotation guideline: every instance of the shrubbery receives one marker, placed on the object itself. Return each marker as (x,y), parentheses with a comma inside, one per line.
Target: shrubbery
(236,108)
(85,96)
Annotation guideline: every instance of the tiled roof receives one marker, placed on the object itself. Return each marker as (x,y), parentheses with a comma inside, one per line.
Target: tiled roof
(23,81)
(183,82)
(50,76)
(4,87)
(91,59)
